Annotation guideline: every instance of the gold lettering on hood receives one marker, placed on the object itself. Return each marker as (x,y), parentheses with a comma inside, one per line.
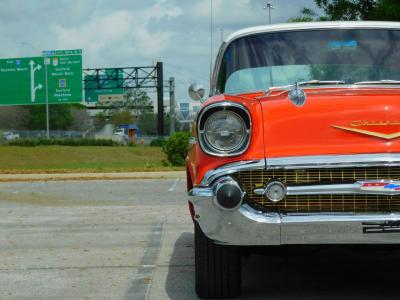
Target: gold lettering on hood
(374,123)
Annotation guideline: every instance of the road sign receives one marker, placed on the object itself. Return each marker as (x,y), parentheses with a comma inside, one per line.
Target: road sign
(64,68)
(23,80)
(184,109)
(106,84)
(111,98)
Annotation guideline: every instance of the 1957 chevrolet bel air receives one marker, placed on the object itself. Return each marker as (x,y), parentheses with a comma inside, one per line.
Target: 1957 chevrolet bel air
(298,143)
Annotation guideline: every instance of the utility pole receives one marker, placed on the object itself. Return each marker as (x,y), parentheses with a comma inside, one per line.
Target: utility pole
(171,105)
(270,7)
(222,35)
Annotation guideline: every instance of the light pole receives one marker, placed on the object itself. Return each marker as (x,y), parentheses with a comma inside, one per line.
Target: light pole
(270,7)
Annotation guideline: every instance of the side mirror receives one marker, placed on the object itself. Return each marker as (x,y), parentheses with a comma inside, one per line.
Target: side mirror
(196,91)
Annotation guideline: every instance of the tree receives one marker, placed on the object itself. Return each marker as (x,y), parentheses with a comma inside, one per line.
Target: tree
(351,10)
(81,120)
(147,122)
(307,15)
(139,100)
(13,117)
(60,117)
(100,120)
(123,117)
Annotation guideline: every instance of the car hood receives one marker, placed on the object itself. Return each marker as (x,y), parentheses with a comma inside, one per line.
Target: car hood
(332,121)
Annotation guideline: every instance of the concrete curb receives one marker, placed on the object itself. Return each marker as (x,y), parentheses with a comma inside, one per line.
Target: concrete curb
(91,176)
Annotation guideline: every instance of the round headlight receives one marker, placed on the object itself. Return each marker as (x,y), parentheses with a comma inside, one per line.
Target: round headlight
(225,131)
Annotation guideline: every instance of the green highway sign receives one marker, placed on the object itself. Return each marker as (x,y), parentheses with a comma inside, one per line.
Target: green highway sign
(64,69)
(23,80)
(106,84)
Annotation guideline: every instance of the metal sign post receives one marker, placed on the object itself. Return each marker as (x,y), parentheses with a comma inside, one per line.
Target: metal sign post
(46,61)
(160,99)
(171,105)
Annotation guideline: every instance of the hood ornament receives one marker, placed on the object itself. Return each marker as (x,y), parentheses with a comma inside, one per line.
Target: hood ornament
(297,95)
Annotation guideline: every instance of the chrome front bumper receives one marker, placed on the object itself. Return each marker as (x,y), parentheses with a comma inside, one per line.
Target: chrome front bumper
(246,226)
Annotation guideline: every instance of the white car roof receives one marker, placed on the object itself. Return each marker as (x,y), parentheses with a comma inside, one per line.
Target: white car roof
(311,25)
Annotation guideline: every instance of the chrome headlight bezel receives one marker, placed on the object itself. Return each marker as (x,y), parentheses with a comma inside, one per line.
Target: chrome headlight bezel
(240,111)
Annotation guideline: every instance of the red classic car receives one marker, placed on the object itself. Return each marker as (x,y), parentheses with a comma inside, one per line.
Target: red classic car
(298,143)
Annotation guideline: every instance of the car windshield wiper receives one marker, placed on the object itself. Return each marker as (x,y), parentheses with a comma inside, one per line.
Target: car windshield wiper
(377,82)
(310,83)
(321,82)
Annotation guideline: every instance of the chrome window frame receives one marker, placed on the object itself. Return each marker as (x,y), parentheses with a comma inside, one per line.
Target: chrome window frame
(291,27)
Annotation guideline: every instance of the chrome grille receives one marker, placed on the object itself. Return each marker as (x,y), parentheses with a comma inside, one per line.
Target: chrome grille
(321,203)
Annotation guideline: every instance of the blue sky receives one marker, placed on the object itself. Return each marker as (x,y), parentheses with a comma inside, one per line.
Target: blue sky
(134,32)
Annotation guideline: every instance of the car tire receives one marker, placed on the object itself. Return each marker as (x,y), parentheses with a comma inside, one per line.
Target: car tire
(217,267)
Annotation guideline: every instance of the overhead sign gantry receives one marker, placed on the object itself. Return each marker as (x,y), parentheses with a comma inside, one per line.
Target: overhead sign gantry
(106,80)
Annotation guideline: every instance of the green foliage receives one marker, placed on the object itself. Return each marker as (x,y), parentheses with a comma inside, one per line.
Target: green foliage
(60,117)
(123,117)
(176,148)
(386,10)
(62,142)
(352,10)
(307,15)
(147,122)
(157,143)
(372,10)
(139,100)
(100,120)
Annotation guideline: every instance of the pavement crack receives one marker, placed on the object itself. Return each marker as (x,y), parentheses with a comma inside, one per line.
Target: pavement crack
(142,281)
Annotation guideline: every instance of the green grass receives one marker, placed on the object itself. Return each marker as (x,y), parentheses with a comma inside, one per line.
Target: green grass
(64,159)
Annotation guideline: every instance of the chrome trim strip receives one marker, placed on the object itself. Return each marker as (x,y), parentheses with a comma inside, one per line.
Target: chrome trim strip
(352,188)
(311,26)
(325,189)
(339,218)
(200,193)
(339,189)
(334,161)
(211,175)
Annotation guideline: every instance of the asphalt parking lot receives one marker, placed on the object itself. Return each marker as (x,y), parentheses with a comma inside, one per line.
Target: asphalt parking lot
(133,239)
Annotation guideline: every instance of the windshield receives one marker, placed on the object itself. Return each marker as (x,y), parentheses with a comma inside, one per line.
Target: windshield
(261,61)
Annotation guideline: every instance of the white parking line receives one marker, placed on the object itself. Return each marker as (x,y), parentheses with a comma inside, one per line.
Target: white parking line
(174,185)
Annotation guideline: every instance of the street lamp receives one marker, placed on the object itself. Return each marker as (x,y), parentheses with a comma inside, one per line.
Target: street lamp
(270,7)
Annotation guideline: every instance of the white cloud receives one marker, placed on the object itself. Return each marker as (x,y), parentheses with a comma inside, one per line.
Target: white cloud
(133,33)
(120,34)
